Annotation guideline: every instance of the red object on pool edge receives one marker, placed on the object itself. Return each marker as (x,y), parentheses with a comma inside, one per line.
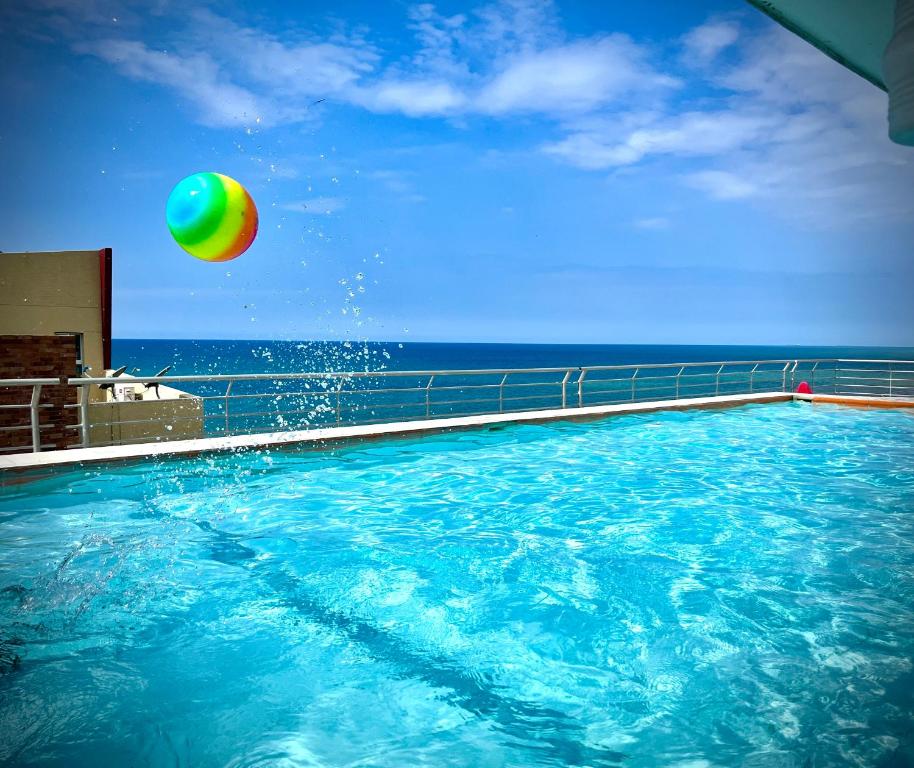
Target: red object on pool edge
(804,388)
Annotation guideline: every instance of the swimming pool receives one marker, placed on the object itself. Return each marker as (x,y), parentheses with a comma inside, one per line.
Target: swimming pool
(694,589)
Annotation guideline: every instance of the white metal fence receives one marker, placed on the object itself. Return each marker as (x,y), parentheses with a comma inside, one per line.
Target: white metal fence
(246,403)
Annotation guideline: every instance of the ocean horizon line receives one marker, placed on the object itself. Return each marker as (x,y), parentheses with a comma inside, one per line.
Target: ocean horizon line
(731,345)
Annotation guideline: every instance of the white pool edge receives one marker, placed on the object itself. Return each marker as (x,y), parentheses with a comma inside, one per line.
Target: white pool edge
(326,435)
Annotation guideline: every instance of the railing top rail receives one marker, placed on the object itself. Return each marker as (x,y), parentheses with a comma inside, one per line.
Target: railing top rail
(28,382)
(869,360)
(80,381)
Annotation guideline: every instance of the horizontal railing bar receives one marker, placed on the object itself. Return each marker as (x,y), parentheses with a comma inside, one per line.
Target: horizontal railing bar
(168,420)
(30,382)
(875,362)
(875,370)
(82,381)
(879,386)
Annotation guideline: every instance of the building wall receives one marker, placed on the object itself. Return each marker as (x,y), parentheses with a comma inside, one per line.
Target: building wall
(37,357)
(43,293)
(144,421)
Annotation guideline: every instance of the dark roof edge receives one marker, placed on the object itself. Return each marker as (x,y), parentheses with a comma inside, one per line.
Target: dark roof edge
(766,7)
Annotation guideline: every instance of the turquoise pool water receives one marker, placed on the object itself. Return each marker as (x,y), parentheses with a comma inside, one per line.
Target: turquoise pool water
(684,589)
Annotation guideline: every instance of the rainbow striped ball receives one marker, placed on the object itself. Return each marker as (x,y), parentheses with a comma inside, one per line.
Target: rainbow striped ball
(211,216)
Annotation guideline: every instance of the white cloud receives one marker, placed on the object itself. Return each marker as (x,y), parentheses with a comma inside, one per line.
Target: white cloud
(736,114)
(687,134)
(705,43)
(826,159)
(784,126)
(511,27)
(720,185)
(290,66)
(196,78)
(440,38)
(505,58)
(416,98)
(577,77)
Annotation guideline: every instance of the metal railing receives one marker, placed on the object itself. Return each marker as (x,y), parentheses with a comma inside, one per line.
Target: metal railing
(249,403)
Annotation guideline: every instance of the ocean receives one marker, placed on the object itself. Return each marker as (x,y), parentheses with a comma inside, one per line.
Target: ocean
(188,357)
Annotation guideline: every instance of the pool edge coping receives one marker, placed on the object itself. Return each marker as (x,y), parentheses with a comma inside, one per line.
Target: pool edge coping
(856,401)
(323,436)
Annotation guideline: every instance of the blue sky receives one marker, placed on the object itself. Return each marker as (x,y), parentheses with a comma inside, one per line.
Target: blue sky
(498,171)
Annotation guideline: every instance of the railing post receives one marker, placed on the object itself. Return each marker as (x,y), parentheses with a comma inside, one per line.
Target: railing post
(228,391)
(634,377)
(501,394)
(784,377)
(84,414)
(565,388)
(581,387)
(891,377)
(812,376)
(339,387)
(678,375)
(752,378)
(717,382)
(428,397)
(33,414)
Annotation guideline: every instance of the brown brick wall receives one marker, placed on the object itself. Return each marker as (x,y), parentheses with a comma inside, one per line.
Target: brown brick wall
(38,357)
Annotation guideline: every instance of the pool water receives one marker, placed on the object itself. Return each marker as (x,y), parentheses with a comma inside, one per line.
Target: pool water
(680,589)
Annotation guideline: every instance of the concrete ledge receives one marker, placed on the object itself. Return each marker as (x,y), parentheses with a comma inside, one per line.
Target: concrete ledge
(318,438)
(857,401)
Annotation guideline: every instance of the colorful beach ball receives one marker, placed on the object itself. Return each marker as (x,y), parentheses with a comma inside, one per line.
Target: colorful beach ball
(211,216)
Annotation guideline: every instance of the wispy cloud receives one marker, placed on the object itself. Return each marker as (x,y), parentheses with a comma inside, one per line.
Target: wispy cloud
(685,134)
(216,100)
(703,44)
(315,206)
(400,183)
(415,98)
(785,127)
(576,77)
(507,58)
(654,222)
(721,185)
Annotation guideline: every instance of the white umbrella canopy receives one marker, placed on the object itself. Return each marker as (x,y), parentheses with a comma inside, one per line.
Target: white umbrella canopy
(874,38)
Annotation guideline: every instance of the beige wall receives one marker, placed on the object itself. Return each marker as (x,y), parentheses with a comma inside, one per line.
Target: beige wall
(114,423)
(168,414)
(42,293)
